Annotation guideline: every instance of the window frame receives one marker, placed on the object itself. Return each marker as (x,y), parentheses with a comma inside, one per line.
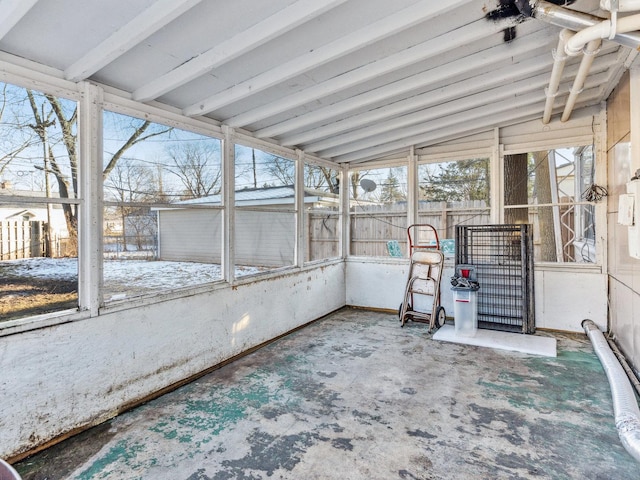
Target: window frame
(71,92)
(595,138)
(408,213)
(480,154)
(304,239)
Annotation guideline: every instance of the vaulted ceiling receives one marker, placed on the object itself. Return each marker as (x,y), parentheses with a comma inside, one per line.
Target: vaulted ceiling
(347,80)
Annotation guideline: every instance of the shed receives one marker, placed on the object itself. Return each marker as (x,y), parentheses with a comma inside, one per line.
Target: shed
(263,240)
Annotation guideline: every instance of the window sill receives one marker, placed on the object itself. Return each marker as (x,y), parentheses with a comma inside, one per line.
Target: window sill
(20,325)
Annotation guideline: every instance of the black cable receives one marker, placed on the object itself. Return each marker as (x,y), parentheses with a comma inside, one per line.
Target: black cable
(595,193)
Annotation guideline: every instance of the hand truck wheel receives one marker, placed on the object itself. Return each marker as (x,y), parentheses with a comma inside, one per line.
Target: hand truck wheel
(441,316)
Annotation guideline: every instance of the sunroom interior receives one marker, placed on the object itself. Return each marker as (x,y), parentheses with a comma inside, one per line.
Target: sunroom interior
(198,178)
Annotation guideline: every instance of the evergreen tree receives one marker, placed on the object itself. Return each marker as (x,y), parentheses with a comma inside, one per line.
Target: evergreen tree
(457,181)
(390,191)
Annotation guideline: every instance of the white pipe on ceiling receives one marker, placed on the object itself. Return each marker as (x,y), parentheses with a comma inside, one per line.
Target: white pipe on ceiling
(560,58)
(590,51)
(590,30)
(601,30)
(623,5)
(576,21)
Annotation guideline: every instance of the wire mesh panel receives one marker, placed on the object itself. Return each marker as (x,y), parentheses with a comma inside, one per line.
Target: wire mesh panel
(503,257)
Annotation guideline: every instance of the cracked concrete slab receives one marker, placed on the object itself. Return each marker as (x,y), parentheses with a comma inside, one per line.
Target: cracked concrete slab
(354,396)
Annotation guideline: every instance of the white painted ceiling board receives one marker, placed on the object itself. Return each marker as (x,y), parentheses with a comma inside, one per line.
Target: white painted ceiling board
(333,82)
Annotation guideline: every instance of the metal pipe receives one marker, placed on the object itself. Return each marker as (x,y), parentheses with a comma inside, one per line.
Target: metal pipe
(576,21)
(623,5)
(590,51)
(7,472)
(559,59)
(625,406)
(601,30)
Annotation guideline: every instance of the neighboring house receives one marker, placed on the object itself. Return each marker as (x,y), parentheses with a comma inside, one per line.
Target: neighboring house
(22,228)
(35,212)
(264,226)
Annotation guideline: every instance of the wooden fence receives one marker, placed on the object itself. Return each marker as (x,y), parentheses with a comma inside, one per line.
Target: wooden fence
(323,234)
(20,239)
(372,226)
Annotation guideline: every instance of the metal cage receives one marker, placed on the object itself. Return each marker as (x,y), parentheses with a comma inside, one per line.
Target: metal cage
(503,257)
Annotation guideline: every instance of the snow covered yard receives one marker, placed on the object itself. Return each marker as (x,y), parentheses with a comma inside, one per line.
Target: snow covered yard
(40,285)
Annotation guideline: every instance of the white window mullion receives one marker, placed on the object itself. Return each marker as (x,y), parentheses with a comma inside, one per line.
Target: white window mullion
(496,174)
(600,178)
(90,258)
(228,195)
(412,188)
(345,214)
(300,245)
(634,106)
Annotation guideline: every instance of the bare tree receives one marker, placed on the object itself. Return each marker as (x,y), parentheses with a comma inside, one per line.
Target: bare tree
(197,164)
(319,178)
(516,187)
(12,150)
(542,189)
(137,132)
(281,169)
(130,184)
(65,167)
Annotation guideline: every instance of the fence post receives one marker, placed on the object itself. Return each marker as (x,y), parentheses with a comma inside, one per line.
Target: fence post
(36,249)
(443,220)
(3,240)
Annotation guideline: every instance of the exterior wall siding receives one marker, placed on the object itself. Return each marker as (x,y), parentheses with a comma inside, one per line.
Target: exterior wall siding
(263,239)
(624,271)
(190,235)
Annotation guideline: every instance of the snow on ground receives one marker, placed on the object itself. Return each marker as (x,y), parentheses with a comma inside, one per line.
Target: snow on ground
(123,275)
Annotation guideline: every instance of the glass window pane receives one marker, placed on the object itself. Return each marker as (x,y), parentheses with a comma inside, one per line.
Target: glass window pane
(322,212)
(265,220)
(38,203)
(162,213)
(453,193)
(547,189)
(378,206)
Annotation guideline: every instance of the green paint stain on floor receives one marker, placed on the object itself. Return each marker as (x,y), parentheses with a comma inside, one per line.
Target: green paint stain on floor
(204,418)
(553,383)
(121,452)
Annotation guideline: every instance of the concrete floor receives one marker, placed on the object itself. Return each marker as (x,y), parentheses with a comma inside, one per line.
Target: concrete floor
(354,396)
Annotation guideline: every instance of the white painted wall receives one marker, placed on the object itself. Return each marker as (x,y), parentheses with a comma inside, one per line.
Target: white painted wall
(564,296)
(381,282)
(71,375)
(191,235)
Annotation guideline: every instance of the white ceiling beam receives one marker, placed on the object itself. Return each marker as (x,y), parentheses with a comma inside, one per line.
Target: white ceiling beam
(432,97)
(12,12)
(277,24)
(142,26)
(458,118)
(437,136)
(482,127)
(368,35)
(469,86)
(462,37)
(467,122)
(440,111)
(429,77)
(463,103)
